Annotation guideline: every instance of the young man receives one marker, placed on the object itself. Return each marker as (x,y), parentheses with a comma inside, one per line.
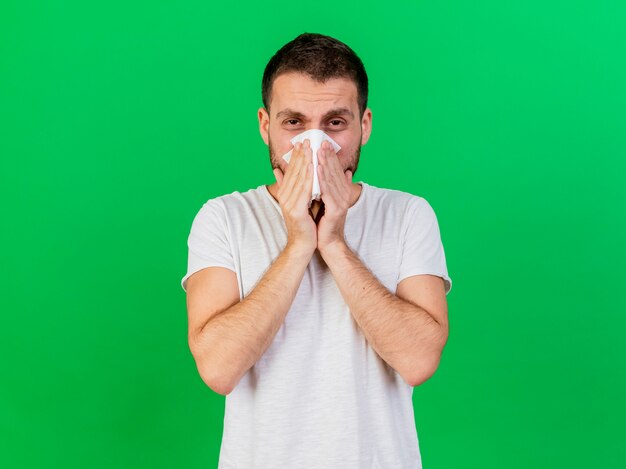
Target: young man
(317,318)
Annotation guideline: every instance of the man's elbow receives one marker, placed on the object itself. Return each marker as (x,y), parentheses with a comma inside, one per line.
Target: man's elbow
(426,367)
(218,382)
(418,379)
(213,376)
(219,388)
(423,372)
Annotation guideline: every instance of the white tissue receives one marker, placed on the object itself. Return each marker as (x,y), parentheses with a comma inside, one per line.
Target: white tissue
(316,137)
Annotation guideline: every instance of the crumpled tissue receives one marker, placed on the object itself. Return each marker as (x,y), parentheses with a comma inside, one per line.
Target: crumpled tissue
(316,137)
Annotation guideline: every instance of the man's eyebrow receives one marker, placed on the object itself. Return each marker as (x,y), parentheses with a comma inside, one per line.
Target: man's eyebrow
(289,112)
(340,111)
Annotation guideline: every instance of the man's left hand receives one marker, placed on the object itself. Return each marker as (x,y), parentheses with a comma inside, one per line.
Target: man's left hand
(336,189)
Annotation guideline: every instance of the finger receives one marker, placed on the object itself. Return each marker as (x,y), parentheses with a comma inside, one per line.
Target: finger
(307,187)
(307,183)
(331,158)
(292,169)
(327,171)
(278,174)
(299,188)
(322,179)
(326,188)
(331,192)
(334,171)
(306,194)
(349,176)
(309,154)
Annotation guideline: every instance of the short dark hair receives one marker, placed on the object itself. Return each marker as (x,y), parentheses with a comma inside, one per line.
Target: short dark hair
(321,57)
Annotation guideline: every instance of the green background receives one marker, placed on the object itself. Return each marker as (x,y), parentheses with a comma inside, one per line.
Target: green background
(120,119)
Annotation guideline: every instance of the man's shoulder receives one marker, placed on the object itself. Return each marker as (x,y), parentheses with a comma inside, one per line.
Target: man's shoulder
(236,197)
(394,197)
(229,204)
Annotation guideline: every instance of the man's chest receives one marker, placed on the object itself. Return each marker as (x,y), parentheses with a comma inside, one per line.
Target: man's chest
(258,244)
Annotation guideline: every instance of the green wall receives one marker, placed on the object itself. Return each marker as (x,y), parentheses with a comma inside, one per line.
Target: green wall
(118,120)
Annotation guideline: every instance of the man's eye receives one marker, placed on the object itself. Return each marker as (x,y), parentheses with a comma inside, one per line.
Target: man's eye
(336,122)
(291,121)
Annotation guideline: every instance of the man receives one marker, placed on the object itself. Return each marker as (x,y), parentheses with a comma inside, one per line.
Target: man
(317,321)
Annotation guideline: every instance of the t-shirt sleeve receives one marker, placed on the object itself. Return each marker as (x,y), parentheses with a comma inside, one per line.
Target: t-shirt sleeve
(209,240)
(422,249)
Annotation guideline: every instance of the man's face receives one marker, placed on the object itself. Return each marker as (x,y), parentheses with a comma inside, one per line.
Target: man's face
(299,103)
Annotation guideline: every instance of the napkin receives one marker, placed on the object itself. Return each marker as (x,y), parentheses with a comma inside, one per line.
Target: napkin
(316,137)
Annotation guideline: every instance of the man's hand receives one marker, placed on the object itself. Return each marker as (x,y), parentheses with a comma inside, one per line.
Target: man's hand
(294,194)
(336,188)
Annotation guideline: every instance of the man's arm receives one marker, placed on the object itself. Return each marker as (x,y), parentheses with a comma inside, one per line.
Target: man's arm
(227,343)
(410,338)
(227,339)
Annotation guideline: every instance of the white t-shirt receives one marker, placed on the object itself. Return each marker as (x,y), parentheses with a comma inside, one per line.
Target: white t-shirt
(320,396)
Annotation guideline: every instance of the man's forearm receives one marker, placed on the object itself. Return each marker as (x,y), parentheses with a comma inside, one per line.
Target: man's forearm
(406,336)
(236,338)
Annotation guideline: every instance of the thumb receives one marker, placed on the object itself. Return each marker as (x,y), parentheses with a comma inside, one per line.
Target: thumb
(278,174)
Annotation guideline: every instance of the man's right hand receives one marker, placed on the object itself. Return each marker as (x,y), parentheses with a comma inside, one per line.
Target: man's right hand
(294,194)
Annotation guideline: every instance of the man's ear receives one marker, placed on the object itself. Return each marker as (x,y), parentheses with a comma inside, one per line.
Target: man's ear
(366,126)
(264,124)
